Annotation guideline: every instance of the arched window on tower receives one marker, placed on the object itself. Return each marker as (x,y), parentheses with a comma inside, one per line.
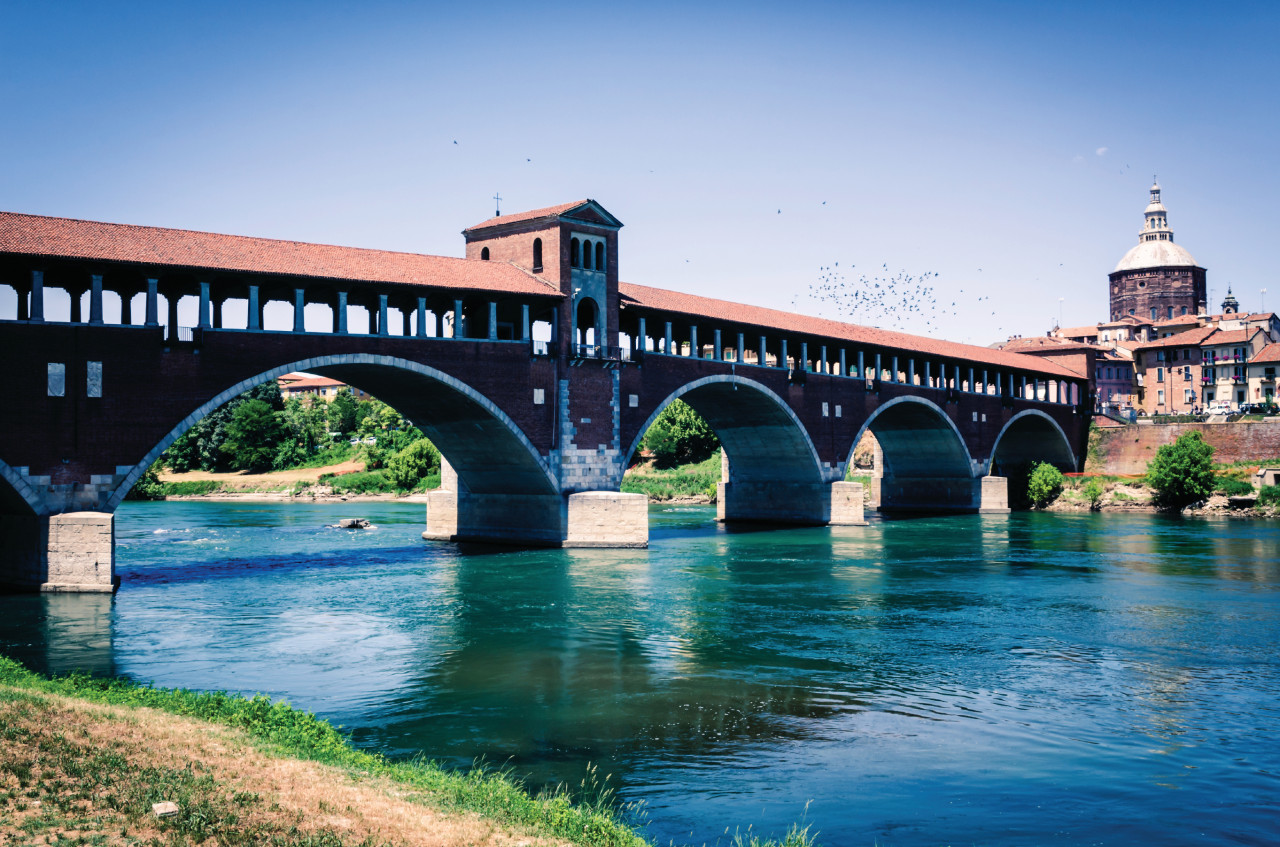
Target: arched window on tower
(575,255)
(599,255)
(586,254)
(537,255)
(484,253)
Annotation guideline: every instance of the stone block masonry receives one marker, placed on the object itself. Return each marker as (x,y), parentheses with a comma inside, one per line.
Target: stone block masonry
(51,553)
(1128,449)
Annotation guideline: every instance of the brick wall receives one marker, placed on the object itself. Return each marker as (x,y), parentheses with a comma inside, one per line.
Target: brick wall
(1127,450)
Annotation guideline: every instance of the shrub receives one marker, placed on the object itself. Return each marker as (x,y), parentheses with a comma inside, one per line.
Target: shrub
(148,486)
(1182,472)
(1093,491)
(361,482)
(679,436)
(406,468)
(1269,495)
(1233,487)
(1045,485)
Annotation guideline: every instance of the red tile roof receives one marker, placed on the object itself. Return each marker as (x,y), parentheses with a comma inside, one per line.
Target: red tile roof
(1077,331)
(36,235)
(533,214)
(1190,338)
(662,300)
(1234,336)
(1270,353)
(311,382)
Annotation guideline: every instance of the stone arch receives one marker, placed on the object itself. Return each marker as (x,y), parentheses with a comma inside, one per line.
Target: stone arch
(16,493)
(761,435)
(1032,436)
(917,439)
(485,447)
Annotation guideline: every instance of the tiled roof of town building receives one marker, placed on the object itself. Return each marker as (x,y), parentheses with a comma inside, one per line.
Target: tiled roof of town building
(1078,331)
(1234,336)
(1127,320)
(313,382)
(532,214)
(1270,353)
(36,235)
(1181,320)
(722,310)
(1190,338)
(1043,342)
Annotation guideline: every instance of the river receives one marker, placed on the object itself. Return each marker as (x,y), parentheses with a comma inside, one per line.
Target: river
(989,680)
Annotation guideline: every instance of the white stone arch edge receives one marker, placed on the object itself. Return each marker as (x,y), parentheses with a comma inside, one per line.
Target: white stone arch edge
(975,468)
(1066,442)
(244,385)
(737,380)
(24,489)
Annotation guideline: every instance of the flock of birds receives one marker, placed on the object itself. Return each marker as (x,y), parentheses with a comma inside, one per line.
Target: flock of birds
(885,300)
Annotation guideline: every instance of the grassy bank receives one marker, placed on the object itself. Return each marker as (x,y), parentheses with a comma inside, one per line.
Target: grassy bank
(685,482)
(84,759)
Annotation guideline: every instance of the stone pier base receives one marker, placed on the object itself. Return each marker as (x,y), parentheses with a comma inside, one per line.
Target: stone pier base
(804,504)
(75,551)
(929,494)
(995,496)
(586,519)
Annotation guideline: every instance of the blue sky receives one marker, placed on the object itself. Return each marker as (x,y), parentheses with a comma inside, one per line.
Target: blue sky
(745,146)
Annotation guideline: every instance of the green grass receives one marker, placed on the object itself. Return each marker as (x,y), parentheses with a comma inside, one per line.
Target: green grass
(588,816)
(685,481)
(360,482)
(188,488)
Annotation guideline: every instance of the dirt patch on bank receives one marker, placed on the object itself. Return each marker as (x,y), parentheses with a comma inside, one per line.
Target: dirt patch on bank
(90,773)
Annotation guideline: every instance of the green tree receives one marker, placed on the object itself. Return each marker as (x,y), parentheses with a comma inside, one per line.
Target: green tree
(343,412)
(1093,491)
(679,436)
(1182,472)
(253,436)
(408,466)
(1045,485)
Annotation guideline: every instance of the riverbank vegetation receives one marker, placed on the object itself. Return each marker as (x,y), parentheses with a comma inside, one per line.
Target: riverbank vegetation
(85,759)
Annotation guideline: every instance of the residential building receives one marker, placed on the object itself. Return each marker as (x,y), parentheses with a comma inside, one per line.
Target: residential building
(309,388)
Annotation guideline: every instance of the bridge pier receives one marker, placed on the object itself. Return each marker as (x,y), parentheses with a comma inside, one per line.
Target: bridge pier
(805,504)
(74,551)
(580,519)
(985,494)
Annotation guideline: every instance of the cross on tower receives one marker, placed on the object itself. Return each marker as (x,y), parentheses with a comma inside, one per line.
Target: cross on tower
(497,207)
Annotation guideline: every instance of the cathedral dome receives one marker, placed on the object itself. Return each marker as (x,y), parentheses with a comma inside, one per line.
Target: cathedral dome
(1155,254)
(1155,247)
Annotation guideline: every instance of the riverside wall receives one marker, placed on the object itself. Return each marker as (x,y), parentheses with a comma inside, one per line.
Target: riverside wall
(1128,449)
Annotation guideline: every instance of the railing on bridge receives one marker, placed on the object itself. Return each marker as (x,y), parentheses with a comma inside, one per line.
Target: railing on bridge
(605,353)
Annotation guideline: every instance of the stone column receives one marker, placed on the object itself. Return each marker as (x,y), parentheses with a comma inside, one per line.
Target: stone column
(763,352)
(422,317)
(37,296)
(153,303)
(895,370)
(668,338)
(493,321)
(299,310)
(782,355)
(95,300)
(459,331)
(382,314)
(76,314)
(862,366)
(879,369)
(741,351)
(844,365)
(693,342)
(340,314)
(255,314)
(525,326)
(172,299)
(804,356)
(911,371)
(717,348)
(643,345)
(203,321)
(928,374)
(822,366)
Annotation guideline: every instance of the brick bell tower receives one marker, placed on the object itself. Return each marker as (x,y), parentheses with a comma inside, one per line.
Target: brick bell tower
(572,247)
(1157,279)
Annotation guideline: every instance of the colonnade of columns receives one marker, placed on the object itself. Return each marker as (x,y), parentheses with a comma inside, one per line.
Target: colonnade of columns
(431,316)
(873,366)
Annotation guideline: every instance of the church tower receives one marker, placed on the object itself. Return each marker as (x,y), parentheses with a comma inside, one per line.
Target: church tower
(1157,279)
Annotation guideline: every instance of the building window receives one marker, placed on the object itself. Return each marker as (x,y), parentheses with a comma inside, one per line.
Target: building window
(537,254)
(1186,374)
(1159,374)
(586,254)
(1161,396)
(575,254)
(1153,313)
(484,253)
(599,255)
